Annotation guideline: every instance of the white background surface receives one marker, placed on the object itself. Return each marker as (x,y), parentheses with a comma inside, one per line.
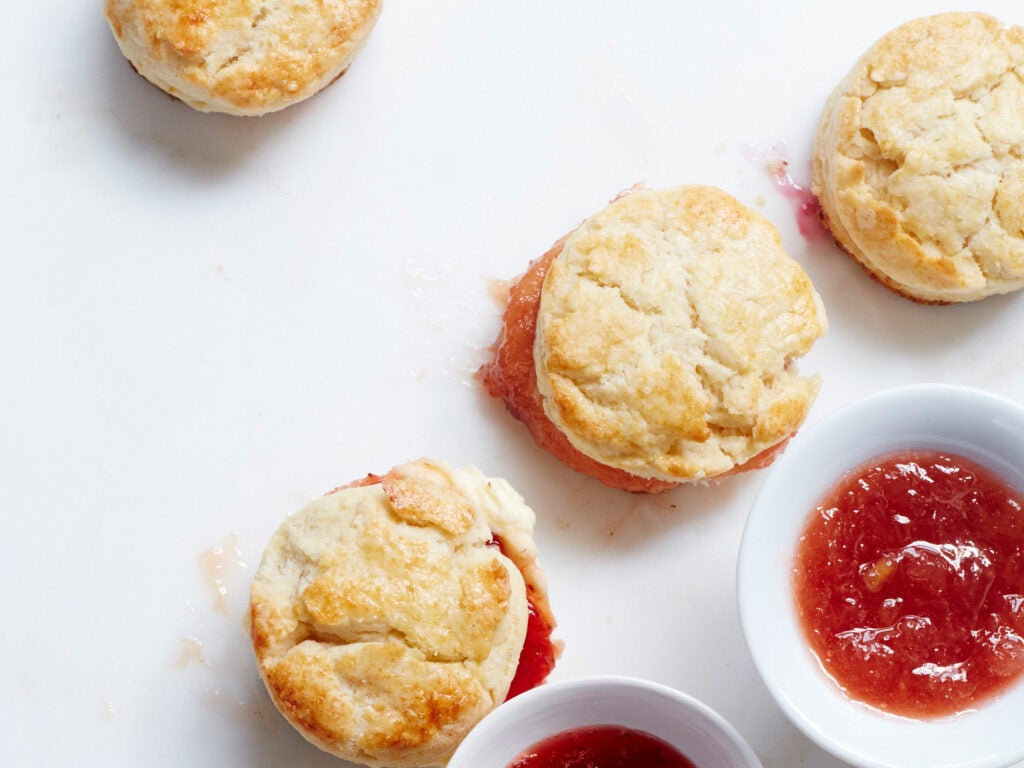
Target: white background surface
(206,321)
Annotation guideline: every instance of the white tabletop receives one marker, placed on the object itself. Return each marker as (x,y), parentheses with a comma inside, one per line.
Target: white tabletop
(206,321)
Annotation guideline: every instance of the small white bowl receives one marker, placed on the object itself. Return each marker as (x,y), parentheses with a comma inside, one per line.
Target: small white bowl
(688,725)
(968,422)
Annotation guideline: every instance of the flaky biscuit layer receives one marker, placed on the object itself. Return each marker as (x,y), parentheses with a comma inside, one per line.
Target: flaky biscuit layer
(666,335)
(242,57)
(919,159)
(383,622)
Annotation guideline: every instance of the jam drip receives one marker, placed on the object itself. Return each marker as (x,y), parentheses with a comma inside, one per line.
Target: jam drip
(537,659)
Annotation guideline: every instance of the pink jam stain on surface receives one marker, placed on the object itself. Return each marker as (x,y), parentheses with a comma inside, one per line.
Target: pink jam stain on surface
(191,651)
(775,162)
(498,291)
(218,562)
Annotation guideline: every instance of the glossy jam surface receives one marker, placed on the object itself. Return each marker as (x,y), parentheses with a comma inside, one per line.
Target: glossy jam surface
(909,583)
(537,659)
(602,746)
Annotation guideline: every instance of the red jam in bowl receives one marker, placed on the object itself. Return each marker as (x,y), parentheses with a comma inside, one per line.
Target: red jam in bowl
(602,746)
(909,584)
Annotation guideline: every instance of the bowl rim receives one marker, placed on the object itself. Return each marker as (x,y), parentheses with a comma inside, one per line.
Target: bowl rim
(930,415)
(514,709)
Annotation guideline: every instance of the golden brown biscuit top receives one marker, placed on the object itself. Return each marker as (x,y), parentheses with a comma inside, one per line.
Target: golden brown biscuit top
(384,624)
(241,56)
(667,331)
(919,162)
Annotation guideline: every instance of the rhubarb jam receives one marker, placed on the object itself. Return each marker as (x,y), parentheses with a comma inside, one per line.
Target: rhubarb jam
(602,746)
(909,584)
(539,653)
(537,659)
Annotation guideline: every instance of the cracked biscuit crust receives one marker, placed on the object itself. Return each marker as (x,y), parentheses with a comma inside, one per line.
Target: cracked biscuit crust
(666,335)
(383,623)
(242,57)
(919,159)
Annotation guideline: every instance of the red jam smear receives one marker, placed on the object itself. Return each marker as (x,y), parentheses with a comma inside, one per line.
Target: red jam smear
(808,209)
(370,479)
(909,584)
(602,746)
(775,162)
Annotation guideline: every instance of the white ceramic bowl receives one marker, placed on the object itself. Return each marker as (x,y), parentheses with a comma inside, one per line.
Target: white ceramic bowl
(969,422)
(682,721)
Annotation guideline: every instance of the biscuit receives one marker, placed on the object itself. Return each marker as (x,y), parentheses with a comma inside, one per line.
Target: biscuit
(242,57)
(661,342)
(918,160)
(384,619)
